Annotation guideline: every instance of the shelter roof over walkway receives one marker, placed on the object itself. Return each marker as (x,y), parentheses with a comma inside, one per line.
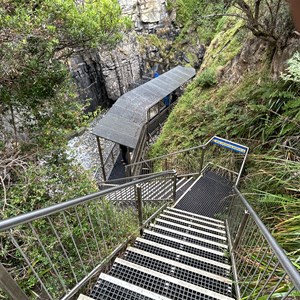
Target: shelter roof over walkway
(124,121)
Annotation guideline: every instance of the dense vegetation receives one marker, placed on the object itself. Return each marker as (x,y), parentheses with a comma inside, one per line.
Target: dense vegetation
(245,102)
(38,100)
(39,111)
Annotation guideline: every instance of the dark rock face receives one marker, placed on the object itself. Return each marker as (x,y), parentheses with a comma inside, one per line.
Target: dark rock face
(103,76)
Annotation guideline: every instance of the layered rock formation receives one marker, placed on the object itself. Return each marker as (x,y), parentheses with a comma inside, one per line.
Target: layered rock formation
(102,76)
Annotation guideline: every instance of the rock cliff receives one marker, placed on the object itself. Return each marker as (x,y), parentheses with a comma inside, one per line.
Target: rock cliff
(102,76)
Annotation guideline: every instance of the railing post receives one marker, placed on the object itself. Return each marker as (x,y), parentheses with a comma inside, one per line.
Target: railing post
(240,230)
(166,164)
(8,285)
(174,186)
(101,159)
(138,195)
(202,158)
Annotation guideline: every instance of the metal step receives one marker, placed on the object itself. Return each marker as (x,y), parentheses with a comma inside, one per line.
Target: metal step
(215,235)
(112,288)
(161,284)
(214,247)
(205,226)
(186,258)
(180,211)
(188,229)
(180,271)
(185,246)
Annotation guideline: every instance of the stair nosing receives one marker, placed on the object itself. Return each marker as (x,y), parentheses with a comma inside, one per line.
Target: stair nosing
(192,229)
(184,243)
(132,287)
(198,216)
(190,236)
(181,265)
(219,230)
(184,253)
(172,279)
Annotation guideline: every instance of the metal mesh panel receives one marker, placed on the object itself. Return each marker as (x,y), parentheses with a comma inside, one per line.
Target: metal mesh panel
(179,273)
(155,284)
(183,259)
(208,197)
(105,290)
(187,239)
(186,248)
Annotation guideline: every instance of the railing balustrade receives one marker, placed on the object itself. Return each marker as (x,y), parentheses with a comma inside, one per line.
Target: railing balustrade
(260,266)
(191,161)
(53,252)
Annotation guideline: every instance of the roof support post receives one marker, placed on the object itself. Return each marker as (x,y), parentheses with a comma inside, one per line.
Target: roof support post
(101,158)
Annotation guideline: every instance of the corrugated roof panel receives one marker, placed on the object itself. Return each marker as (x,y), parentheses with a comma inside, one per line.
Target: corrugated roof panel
(124,121)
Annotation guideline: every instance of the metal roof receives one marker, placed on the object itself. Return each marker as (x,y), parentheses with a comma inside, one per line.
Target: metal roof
(124,121)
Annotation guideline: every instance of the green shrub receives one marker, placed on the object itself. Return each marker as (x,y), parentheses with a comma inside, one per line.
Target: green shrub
(207,78)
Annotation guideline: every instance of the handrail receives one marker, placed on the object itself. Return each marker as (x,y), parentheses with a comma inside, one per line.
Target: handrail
(216,140)
(107,182)
(166,155)
(47,211)
(284,260)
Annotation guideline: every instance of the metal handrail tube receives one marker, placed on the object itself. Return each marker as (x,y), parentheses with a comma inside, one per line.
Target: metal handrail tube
(283,259)
(128,178)
(47,211)
(167,155)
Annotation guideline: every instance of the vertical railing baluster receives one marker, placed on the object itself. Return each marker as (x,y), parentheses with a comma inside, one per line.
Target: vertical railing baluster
(48,257)
(101,230)
(276,286)
(174,186)
(257,267)
(14,241)
(92,228)
(74,243)
(139,206)
(63,249)
(267,281)
(288,293)
(84,237)
(240,230)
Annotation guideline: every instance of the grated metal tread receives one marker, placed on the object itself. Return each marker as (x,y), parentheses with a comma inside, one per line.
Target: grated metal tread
(190,230)
(208,196)
(205,227)
(188,238)
(212,221)
(161,284)
(183,257)
(111,288)
(183,245)
(168,268)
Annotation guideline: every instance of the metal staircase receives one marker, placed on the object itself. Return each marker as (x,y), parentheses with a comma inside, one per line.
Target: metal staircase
(200,239)
(182,255)
(172,261)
